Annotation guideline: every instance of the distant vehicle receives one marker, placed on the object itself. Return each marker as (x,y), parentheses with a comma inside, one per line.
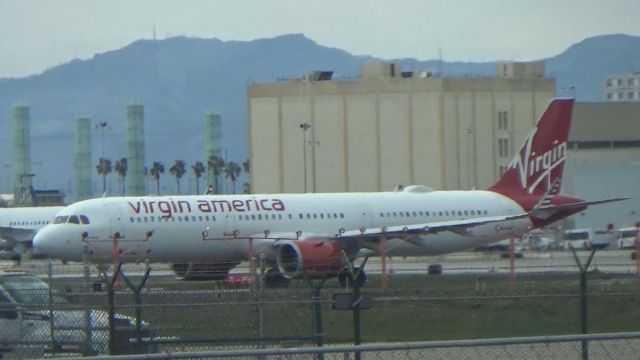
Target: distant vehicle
(28,328)
(586,239)
(18,226)
(626,238)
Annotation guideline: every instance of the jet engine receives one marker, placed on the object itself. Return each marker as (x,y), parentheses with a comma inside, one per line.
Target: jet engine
(312,258)
(203,271)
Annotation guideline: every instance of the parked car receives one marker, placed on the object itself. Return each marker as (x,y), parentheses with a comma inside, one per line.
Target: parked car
(35,320)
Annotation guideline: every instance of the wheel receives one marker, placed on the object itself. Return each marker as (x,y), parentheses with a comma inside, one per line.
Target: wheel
(346,277)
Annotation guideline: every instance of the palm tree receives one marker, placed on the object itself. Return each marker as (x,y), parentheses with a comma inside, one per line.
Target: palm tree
(246,166)
(198,169)
(215,164)
(156,169)
(177,170)
(231,172)
(104,168)
(121,169)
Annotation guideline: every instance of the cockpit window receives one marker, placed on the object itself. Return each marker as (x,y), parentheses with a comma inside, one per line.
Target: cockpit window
(61,219)
(73,219)
(84,220)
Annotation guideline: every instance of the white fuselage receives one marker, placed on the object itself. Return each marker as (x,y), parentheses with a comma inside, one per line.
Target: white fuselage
(20,224)
(209,228)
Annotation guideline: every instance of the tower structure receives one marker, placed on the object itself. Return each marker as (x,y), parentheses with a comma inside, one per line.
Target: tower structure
(135,149)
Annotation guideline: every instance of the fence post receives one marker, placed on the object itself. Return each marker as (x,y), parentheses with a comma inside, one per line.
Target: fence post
(584,308)
(109,282)
(137,292)
(51,312)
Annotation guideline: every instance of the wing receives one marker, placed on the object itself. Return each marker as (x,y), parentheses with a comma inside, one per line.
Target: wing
(16,234)
(457,226)
(398,231)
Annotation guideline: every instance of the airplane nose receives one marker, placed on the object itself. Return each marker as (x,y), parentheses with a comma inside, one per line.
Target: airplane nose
(42,242)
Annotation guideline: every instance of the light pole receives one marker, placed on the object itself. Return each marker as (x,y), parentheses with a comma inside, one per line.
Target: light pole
(102,125)
(304,126)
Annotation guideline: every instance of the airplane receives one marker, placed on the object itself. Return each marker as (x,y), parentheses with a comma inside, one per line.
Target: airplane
(318,235)
(18,226)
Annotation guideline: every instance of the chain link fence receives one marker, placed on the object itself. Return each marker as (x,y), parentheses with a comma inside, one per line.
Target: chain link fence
(162,315)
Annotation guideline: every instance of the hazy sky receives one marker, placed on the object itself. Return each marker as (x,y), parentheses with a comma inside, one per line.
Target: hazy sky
(37,34)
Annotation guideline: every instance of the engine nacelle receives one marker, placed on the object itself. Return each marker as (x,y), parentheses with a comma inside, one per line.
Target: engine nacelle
(313,258)
(203,271)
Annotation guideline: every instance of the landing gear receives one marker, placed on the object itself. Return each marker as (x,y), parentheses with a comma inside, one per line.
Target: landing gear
(352,277)
(274,279)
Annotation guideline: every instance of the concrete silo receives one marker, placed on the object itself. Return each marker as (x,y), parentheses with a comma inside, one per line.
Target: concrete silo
(83,167)
(21,141)
(212,146)
(134,128)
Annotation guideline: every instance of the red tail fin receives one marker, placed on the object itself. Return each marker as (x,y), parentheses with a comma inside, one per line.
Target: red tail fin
(536,170)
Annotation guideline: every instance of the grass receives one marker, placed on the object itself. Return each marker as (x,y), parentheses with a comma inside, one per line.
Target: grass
(412,308)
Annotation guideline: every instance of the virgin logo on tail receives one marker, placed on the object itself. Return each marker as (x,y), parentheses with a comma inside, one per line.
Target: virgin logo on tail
(540,161)
(533,168)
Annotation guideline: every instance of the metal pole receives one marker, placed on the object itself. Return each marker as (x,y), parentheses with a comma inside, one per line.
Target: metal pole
(512,263)
(87,309)
(304,127)
(584,305)
(317,309)
(51,313)
(357,340)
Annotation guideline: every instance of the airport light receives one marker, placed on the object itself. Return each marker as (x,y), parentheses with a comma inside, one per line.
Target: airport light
(304,126)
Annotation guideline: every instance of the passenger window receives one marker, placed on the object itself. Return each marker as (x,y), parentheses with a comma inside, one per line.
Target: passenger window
(73,219)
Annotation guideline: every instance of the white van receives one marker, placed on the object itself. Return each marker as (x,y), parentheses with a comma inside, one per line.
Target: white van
(627,237)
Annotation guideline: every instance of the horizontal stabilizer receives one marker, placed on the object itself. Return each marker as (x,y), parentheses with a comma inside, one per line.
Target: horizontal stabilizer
(575,205)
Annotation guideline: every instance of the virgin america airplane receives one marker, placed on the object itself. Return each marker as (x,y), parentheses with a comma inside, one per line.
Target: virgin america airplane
(321,235)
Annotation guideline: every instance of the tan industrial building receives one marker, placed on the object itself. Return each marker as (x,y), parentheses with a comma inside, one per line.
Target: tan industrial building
(391,127)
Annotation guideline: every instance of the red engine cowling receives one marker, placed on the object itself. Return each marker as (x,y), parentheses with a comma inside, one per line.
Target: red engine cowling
(203,271)
(313,258)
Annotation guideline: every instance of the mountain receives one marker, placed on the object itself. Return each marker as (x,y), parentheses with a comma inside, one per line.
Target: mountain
(584,65)
(179,79)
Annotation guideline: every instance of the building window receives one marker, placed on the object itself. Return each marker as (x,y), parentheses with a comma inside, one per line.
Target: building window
(620,96)
(609,96)
(503,148)
(630,94)
(609,82)
(503,120)
(619,82)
